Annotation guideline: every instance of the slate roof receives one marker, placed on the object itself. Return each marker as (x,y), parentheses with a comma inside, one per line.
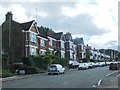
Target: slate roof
(42,33)
(68,37)
(27,25)
(57,35)
(22,26)
(78,41)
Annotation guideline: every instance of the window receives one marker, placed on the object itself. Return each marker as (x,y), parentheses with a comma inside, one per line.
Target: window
(32,51)
(42,52)
(71,56)
(62,44)
(32,37)
(74,56)
(42,42)
(62,55)
(70,45)
(50,42)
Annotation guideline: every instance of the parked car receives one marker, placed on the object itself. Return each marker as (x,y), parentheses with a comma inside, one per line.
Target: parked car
(55,69)
(108,63)
(91,64)
(114,66)
(83,66)
(73,64)
(99,64)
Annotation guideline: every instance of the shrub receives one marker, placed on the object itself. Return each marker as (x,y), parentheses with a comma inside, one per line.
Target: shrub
(6,73)
(31,70)
(62,61)
(14,67)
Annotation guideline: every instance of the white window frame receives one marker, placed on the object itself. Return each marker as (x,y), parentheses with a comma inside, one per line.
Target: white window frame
(33,37)
(62,44)
(42,42)
(32,51)
(43,52)
(50,41)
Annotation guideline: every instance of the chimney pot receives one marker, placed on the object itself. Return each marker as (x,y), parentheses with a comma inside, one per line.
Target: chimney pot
(9,15)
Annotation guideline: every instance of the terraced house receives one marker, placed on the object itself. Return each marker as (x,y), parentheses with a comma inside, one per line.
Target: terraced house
(24,39)
(70,47)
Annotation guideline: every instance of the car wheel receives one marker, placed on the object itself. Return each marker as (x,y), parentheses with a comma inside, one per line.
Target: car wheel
(58,73)
(49,73)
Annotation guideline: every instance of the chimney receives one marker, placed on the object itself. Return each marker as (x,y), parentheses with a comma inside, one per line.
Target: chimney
(9,16)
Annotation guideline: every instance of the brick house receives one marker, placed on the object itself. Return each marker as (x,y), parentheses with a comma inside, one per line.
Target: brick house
(60,44)
(18,39)
(81,52)
(24,39)
(70,47)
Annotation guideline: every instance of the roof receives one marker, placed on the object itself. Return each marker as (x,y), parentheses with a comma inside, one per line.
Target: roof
(68,37)
(57,35)
(42,33)
(78,41)
(14,24)
(27,25)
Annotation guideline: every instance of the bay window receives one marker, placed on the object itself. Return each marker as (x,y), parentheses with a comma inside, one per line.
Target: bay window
(32,51)
(42,42)
(33,37)
(50,42)
(62,44)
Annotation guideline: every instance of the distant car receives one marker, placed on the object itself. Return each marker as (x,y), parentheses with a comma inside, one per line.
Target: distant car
(55,69)
(114,66)
(99,64)
(73,64)
(108,63)
(91,64)
(83,66)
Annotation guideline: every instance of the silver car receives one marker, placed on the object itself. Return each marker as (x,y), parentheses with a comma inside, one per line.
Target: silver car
(55,69)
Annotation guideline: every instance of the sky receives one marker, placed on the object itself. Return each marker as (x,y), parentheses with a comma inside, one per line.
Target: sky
(96,21)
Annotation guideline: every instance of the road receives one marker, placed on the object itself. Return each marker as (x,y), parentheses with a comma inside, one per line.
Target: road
(71,79)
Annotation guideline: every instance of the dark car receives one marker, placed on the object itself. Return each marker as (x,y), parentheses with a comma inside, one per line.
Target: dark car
(114,66)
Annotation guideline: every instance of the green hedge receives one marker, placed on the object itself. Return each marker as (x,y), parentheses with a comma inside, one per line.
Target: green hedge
(6,73)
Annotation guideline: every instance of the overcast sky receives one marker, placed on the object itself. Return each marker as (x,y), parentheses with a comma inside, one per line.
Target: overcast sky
(94,20)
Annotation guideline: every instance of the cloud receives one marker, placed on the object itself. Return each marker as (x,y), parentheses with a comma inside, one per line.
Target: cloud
(111,45)
(94,20)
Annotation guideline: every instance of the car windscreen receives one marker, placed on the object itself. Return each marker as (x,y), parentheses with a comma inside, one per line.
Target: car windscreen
(53,66)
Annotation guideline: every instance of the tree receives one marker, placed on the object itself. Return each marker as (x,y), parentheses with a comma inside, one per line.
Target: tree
(45,30)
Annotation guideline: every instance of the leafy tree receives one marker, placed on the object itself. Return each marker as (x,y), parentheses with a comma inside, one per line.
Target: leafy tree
(45,30)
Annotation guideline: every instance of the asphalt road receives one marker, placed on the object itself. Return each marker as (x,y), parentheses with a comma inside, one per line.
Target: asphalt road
(71,79)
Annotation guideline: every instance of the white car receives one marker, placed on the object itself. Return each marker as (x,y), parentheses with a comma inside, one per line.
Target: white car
(55,69)
(91,64)
(98,64)
(83,66)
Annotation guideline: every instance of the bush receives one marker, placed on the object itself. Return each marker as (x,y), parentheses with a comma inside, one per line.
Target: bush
(62,61)
(31,70)
(6,73)
(14,67)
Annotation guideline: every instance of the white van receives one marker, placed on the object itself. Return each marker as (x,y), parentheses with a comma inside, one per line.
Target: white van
(55,69)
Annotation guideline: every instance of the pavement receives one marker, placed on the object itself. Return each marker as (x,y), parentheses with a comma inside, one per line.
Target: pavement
(17,77)
(111,80)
